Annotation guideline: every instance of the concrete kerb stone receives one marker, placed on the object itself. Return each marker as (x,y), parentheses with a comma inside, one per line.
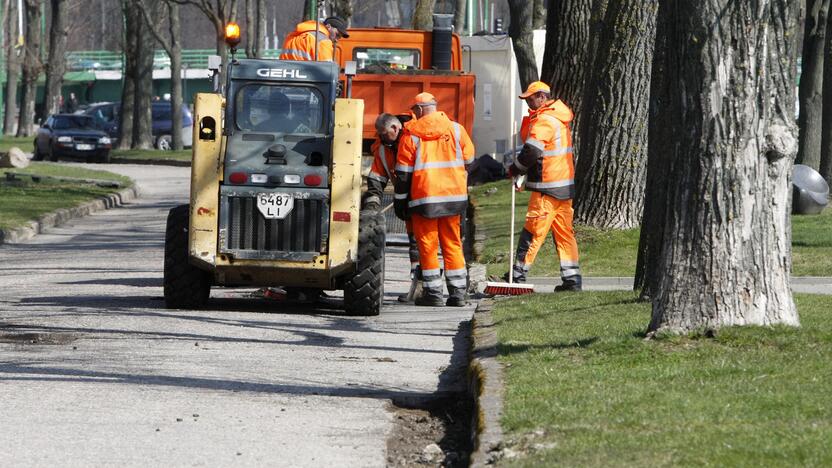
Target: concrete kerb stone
(61,216)
(486,386)
(153,162)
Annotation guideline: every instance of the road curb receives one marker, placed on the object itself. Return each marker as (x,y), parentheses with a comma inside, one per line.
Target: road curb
(151,162)
(61,216)
(486,387)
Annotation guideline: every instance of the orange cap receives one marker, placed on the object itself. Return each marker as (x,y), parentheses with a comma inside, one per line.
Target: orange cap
(535,87)
(424,99)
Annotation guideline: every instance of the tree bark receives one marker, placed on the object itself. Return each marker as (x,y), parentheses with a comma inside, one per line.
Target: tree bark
(660,137)
(826,127)
(343,10)
(32,66)
(142,107)
(459,16)
(810,92)
(520,31)
(539,16)
(726,249)
(12,71)
(423,15)
(56,65)
(611,171)
(132,20)
(567,60)
(260,40)
(173,47)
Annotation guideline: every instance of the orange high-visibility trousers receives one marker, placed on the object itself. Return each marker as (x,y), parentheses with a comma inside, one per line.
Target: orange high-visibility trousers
(547,213)
(431,234)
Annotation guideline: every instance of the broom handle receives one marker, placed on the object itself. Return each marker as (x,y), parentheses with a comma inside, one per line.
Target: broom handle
(513,195)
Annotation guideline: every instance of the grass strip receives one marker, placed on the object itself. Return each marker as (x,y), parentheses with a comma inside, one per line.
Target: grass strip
(614,252)
(182,155)
(25,200)
(583,387)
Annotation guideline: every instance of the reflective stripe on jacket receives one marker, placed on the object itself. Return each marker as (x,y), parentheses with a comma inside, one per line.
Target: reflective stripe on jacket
(430,166)
(548,130)
(300,44)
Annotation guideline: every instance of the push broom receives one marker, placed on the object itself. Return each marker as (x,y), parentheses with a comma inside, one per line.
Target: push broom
(493,288)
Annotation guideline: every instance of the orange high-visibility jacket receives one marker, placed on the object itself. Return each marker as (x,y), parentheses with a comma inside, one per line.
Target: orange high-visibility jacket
(300,44)
(547,152)
(430,166)
(384,162)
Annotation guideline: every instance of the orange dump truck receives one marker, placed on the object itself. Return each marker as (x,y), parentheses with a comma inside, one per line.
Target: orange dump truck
(393,65)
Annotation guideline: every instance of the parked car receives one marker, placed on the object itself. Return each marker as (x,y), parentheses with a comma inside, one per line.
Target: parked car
(72,135)
(107,117)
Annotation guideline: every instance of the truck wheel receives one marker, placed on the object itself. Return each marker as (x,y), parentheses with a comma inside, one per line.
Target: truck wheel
(364,292)
(186,286)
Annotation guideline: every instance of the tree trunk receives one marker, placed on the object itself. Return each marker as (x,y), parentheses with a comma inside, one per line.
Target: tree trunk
(260,40)
(142,107)
(459,16)
(343,9)
(32,66)
(611,171)
(251,28)
(12,71)
(56,65)
(726,250)
(176,75)
(826,128)
(660,138)
(132,20)
(520,31)
(423,15)
(567,58)
(539,16)
(810,91)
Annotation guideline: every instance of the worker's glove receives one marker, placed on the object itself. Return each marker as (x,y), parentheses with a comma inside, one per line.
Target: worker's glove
(400,207)
(513,171)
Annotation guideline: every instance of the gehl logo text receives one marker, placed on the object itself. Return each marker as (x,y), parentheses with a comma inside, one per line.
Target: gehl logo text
(280,73)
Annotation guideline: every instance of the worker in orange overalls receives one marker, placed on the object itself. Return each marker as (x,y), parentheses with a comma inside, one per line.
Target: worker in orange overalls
(546,158)
(388,128)
(301,44)
(432,190)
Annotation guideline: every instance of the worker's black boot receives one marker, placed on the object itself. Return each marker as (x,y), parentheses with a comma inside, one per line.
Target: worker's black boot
(457,298)
(431,298)
(573,283)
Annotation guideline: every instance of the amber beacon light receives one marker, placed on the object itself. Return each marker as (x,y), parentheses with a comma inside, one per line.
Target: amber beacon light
(232,34)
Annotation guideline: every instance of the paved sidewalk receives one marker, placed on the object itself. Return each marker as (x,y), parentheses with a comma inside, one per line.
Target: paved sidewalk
(800,284)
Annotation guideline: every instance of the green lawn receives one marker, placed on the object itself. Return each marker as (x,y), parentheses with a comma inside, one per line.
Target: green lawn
(583,387)
(24,144)
(24,201)
(613,253)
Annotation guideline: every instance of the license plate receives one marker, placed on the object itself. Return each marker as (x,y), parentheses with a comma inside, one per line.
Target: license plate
(84,147)
(275,205)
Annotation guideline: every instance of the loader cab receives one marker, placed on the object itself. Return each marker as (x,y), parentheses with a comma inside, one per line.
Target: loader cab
(279,123)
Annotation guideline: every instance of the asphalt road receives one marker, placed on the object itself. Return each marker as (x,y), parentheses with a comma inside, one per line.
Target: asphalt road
(94,370)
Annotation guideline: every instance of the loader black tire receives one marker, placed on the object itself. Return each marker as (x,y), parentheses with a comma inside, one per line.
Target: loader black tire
(364,291)
(185,286)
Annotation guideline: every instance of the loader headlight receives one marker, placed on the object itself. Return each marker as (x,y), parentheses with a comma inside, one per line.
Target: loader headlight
(291,179)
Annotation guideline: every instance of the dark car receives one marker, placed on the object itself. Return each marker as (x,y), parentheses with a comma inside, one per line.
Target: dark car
(107,117)
(72,135)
